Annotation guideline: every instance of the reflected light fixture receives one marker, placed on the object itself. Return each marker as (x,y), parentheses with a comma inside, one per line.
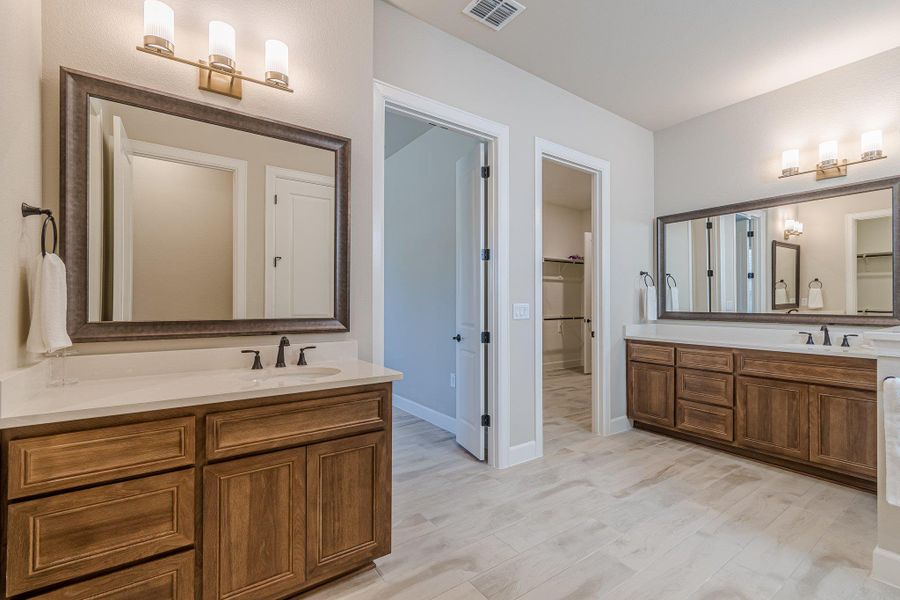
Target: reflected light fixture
(792,228)
(220,73)
(829,166)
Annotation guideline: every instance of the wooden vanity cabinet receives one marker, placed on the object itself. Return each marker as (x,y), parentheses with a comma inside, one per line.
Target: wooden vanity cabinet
(281,494)
(813,413)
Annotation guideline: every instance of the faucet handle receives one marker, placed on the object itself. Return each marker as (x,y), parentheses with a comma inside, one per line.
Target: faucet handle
(846,342)
(301,362)
(809,337)
(257,363)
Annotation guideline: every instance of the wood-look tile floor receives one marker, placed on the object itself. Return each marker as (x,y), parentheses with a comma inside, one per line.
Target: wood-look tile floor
(633,516)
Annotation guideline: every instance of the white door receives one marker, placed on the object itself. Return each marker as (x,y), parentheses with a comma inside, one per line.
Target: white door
(301,264)
(123,227)
(470,239)
(587,304)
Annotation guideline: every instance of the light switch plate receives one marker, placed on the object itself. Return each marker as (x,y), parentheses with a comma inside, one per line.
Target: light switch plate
(521,312)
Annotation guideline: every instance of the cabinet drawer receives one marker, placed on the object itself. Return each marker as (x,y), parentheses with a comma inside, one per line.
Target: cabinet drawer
(856,373)
(239,432)
(650,353)
(170,578)
(707,360)
(702,419)
(703,386)
(57,462)
(54,539)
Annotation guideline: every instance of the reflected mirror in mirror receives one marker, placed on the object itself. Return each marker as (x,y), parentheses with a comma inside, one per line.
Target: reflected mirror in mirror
(190,221)
(832,256)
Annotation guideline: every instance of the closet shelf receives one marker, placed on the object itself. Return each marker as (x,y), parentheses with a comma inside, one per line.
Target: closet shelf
(564,318)
(874,255)
(567,261)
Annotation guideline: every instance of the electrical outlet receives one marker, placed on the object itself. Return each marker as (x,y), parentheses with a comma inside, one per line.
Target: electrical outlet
(453,380)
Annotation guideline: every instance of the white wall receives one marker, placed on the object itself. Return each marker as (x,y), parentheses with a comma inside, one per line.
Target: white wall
(20,167)
(446,69)
(331,72)
(734,154)
(420,266)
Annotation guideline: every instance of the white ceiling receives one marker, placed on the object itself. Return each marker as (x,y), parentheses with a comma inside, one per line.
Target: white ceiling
(660,62)
(566,186)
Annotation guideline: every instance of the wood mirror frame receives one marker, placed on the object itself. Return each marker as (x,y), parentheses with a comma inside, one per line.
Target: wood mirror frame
(76,88)
(892,183)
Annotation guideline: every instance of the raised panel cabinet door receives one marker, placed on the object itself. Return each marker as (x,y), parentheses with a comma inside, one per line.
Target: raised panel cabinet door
(170,578)
(253,526)
(651,393)
(773,416)
(843,429)
(348,504)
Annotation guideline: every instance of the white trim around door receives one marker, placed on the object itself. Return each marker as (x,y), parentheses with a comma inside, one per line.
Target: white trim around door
(600,296)
(385,97)
(238,169)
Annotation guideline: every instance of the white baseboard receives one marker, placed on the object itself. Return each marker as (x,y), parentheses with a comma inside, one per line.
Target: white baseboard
(523,453)
(886,566)
(619,425)
(438,419)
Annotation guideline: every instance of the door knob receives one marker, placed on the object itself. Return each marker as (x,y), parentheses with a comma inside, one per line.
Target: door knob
(457,337)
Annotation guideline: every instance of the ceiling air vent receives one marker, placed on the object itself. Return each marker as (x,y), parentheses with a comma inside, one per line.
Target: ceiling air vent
(494,13)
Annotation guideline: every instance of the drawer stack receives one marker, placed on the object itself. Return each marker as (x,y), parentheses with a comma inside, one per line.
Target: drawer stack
(705,392)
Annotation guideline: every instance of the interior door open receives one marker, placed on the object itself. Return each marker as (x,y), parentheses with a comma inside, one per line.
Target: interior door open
(587,339)
(123,232)
(470,277)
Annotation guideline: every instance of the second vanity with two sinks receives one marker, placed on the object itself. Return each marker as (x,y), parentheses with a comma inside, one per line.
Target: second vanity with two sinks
(761,392)
(139,476)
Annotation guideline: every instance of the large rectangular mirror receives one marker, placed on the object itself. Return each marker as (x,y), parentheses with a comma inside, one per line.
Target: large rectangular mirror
(186,219)
(823,256)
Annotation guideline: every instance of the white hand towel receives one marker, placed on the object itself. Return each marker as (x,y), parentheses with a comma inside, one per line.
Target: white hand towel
(815,300)
(781,296)
(48,299)
(891,403)
(672,297)
(648,302)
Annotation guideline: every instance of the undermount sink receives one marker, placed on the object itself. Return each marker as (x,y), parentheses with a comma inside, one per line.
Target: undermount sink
(291,375)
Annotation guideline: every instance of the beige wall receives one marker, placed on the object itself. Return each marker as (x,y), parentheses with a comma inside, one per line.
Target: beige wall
(330,43)
(182,250)
(20,167)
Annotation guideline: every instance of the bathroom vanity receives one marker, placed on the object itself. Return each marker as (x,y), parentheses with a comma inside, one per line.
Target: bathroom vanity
(809,409)
(241,484)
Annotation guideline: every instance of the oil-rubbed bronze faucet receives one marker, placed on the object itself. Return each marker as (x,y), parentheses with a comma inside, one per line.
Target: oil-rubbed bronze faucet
(279,363)
(827,340)
(302,361)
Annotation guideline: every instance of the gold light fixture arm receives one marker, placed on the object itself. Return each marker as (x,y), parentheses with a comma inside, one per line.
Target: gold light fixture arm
(838,170)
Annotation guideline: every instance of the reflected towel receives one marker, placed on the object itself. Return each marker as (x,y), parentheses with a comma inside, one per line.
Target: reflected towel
(891,402)
(672,298)
(781,296)
(47,295)
(815,300)
(648,303)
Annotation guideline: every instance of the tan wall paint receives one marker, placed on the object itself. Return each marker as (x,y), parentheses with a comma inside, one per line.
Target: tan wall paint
(330,45)
(20,167)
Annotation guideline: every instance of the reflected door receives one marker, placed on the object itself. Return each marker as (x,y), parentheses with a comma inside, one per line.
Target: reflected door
(123,207)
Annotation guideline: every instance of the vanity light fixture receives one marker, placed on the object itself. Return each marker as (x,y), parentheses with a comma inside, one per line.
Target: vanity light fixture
(792,228)
(829,166)
(220,73)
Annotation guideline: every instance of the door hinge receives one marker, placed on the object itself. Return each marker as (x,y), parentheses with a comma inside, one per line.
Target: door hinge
(486,254)
(709,273)
(485,172)
(275,261)
(276,198)
(751,233)
(750,275)
(709,224)
(485,420)
(485,337)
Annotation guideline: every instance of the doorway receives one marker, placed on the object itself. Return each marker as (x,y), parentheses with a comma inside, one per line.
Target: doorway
(572,300)
(436,285)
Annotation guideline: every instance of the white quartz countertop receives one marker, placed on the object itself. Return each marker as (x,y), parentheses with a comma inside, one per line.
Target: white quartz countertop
(755,338)
(103,397)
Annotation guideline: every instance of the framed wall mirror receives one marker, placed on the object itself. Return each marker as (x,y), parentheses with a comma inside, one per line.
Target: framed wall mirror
(825,256)
(183,219)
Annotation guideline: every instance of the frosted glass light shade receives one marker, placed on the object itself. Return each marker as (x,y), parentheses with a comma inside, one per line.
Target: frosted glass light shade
(276,62)
(221,45)
(792,227)
(872,144)
(790,162)
(828,153)
(159,26)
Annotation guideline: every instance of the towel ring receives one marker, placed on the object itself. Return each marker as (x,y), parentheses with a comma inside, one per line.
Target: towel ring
(782,282)
(52,221)
(644,276)
(674,283)
(816,280)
